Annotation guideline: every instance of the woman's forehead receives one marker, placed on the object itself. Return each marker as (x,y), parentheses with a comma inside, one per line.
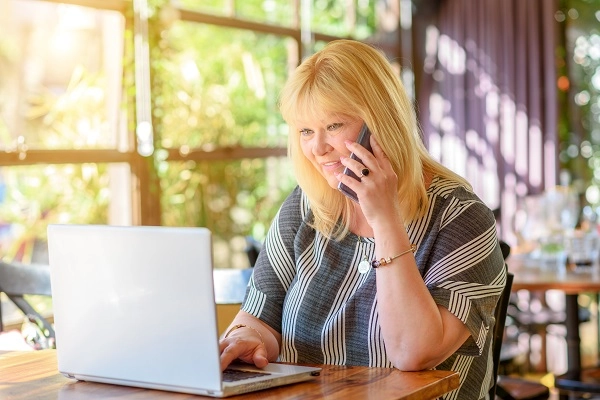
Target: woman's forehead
(321,117)
(315,104)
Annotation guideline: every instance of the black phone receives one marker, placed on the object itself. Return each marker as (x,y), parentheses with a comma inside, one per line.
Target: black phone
(364,140)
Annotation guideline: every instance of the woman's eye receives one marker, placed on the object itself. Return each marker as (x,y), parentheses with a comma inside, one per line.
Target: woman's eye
(305,132)
(334,127)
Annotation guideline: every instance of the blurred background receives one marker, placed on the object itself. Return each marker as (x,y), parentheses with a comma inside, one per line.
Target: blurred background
(157,112)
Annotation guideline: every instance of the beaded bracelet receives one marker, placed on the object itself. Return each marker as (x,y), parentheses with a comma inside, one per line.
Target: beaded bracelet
(238,326)
(386,261)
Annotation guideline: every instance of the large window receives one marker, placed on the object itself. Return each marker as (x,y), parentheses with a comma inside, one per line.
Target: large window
(157,112)
(65,155)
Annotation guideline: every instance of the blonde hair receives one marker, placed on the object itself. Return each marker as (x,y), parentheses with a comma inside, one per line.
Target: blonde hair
(352,78)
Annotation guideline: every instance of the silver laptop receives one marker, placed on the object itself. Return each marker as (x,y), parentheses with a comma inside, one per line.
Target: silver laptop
(135,306)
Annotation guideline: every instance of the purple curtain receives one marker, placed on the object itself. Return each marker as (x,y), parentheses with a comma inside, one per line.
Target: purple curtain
(486,95)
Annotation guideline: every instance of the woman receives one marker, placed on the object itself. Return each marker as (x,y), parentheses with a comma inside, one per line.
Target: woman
(340,282)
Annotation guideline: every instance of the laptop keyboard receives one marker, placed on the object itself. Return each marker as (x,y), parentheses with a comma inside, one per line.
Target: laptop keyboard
(233,375)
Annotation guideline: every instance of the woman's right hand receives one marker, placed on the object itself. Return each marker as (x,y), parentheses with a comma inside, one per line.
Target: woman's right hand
(243,343)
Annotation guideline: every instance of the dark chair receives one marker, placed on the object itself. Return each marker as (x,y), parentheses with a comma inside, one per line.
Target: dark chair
(540,321)
(510,388)
(574,384)
(19,280)
(253,247)
(498,334)
(514,388)
(537,322)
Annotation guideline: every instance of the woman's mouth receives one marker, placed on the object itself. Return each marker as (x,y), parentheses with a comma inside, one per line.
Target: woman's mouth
(331,166)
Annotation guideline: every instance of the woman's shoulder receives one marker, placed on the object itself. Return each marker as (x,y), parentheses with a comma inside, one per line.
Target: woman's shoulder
(453,194)
(295,205)
(447,188)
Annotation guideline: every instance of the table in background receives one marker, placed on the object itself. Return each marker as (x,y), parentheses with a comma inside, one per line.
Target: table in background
(572,284)
(34,375)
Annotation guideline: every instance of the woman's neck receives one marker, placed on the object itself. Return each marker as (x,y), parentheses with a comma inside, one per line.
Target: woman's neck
(359,225)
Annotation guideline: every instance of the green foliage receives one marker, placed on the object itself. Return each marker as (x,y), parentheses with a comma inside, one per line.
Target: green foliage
(39,195)
(332,17)
(73,119)
(232,198)
(216,87)
(277,12)
(579,125)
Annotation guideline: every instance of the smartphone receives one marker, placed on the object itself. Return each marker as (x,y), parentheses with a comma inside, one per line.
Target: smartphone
(364,140)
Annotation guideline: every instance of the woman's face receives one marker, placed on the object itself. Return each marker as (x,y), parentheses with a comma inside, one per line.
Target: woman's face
(322,142)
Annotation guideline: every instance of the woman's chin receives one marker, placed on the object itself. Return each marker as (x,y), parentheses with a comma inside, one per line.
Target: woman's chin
(333,183)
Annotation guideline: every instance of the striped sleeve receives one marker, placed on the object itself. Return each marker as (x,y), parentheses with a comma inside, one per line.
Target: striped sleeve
(465,271)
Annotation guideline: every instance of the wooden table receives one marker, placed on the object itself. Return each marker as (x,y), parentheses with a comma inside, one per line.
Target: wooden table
(34,375)
(572,284)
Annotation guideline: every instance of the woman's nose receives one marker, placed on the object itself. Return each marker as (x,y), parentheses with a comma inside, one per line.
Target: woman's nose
(321,145)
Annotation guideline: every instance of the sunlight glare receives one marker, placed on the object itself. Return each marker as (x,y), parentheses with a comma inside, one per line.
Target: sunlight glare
(452,56)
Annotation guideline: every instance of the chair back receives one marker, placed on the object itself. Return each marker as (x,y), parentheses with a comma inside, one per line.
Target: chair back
(18,280)
(253,247)
(498,333)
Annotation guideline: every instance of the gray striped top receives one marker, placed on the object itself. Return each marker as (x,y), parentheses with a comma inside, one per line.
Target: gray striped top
(309,288)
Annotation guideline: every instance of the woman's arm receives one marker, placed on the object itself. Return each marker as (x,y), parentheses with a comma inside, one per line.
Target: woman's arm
(419,321)
(419,333)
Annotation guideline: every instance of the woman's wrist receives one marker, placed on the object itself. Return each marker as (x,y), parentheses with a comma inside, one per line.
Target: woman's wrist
(240,326)
(392,237)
